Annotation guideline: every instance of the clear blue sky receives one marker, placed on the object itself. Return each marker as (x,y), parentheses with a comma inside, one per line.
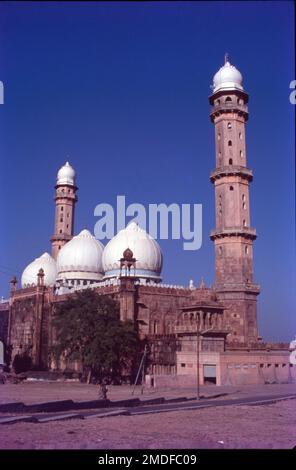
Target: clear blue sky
(123,90)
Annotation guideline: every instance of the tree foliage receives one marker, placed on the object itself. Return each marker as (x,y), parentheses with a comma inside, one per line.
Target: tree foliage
(88,329)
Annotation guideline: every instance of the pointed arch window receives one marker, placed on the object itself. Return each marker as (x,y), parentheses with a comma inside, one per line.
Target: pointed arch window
(155,327)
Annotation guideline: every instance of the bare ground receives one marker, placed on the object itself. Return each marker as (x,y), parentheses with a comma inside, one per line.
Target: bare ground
(267,426)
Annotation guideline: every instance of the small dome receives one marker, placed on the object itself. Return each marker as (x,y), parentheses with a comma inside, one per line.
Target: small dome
(128,254)
(81,258)
(227,78)
(143,247)
(45,262)
(66,175)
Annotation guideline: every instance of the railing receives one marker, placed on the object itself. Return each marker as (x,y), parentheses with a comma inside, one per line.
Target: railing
(60,290)
(162,286)
(244,231)
(116,282)
(61,236)
(231,170)
(257,346)
(229,106)
(237,287)
(60,194)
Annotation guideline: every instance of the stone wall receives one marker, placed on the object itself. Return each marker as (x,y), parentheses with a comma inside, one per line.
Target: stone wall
(240,367)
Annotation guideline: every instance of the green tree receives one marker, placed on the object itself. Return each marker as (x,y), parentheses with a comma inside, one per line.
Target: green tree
(88,329)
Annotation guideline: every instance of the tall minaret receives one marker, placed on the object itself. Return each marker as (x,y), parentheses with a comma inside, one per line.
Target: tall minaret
(65,199)
(233,236)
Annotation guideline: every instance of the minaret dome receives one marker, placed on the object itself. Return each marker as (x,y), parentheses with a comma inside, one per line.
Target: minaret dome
(227,78)
(66,175)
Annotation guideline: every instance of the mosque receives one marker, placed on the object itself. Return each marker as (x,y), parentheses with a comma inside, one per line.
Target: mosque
(217,325)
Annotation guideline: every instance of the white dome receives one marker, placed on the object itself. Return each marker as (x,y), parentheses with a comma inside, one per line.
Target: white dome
(227,78)
(47,263)
(66,175)
(145,249)
(81,258)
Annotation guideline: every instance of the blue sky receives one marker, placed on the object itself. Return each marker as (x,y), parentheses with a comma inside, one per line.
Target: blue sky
(122,89)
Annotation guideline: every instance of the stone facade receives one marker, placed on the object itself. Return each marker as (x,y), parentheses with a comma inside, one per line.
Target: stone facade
(169,317)
(158,311)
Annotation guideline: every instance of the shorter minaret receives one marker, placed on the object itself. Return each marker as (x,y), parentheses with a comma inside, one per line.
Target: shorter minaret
(65,199)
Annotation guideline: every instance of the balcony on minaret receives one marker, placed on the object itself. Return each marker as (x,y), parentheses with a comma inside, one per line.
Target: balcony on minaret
(61,236)
(237,104)
(230,105)
(63,193)
(246,232)
(231,170)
